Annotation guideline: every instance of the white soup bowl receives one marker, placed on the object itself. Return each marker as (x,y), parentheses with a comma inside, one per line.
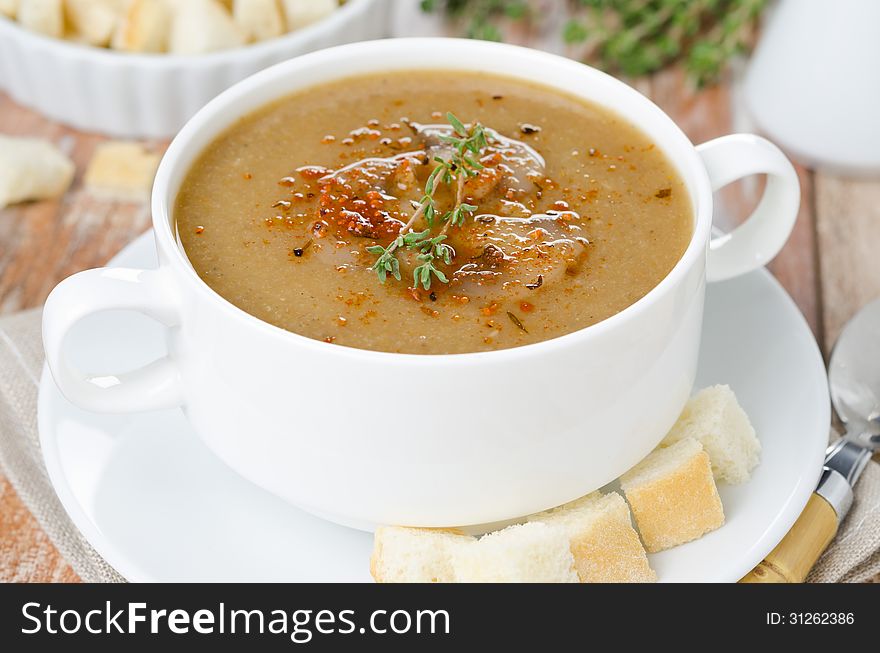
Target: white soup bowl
(351,434)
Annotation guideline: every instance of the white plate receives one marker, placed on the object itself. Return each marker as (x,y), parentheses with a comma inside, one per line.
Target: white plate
(158,506)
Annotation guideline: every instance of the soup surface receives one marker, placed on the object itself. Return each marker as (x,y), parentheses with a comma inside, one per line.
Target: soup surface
(511,213)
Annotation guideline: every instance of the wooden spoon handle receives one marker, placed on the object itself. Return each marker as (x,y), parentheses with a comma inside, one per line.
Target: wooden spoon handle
(795,555)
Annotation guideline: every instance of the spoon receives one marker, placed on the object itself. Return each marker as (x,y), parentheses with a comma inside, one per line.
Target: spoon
(854,378)
(854,375)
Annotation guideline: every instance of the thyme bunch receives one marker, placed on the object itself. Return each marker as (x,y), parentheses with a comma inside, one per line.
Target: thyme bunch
(466,145)
(634,37)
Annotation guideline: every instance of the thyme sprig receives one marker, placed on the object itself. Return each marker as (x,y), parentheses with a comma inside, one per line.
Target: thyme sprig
(467,144)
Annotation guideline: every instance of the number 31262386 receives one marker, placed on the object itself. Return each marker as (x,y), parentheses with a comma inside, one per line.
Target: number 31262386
(810,618)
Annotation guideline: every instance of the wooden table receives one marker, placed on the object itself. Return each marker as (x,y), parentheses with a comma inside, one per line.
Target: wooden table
(830,266)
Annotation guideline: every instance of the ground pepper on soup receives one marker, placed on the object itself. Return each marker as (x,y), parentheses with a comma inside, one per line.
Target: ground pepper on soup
(433,212)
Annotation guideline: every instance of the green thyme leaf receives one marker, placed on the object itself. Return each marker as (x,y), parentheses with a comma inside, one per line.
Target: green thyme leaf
(456,125)
(414,237)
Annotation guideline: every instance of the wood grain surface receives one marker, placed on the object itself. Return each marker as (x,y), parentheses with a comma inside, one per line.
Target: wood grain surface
(830,266)
(40,244)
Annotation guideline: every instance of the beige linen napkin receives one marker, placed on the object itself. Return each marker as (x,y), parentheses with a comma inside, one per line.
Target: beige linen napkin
(21,361)
(853,557)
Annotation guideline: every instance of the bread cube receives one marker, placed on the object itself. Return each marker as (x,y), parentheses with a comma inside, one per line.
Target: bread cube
(714,418)
(202,26)
(302,13)
(605,547)
(258,19)
(121,170)
(94,21)
(43,16)
(32,169)
(673,496)
(524,553)
(143,27)
(9,8)
(590,540)
(415,555)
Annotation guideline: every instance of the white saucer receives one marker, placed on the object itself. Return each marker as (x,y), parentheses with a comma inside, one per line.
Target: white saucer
(158,506)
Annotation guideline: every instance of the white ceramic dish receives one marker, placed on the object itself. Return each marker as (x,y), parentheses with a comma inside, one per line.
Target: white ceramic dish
(153,95)
(261,397)
(158,506)
(812,83)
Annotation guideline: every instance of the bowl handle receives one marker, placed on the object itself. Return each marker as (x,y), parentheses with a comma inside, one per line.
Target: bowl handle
(756,241)
(156,385)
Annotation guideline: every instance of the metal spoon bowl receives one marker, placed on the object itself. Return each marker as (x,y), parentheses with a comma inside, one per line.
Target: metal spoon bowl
(854,377)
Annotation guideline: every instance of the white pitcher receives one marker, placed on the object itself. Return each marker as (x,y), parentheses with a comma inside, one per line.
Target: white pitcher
(813,84)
